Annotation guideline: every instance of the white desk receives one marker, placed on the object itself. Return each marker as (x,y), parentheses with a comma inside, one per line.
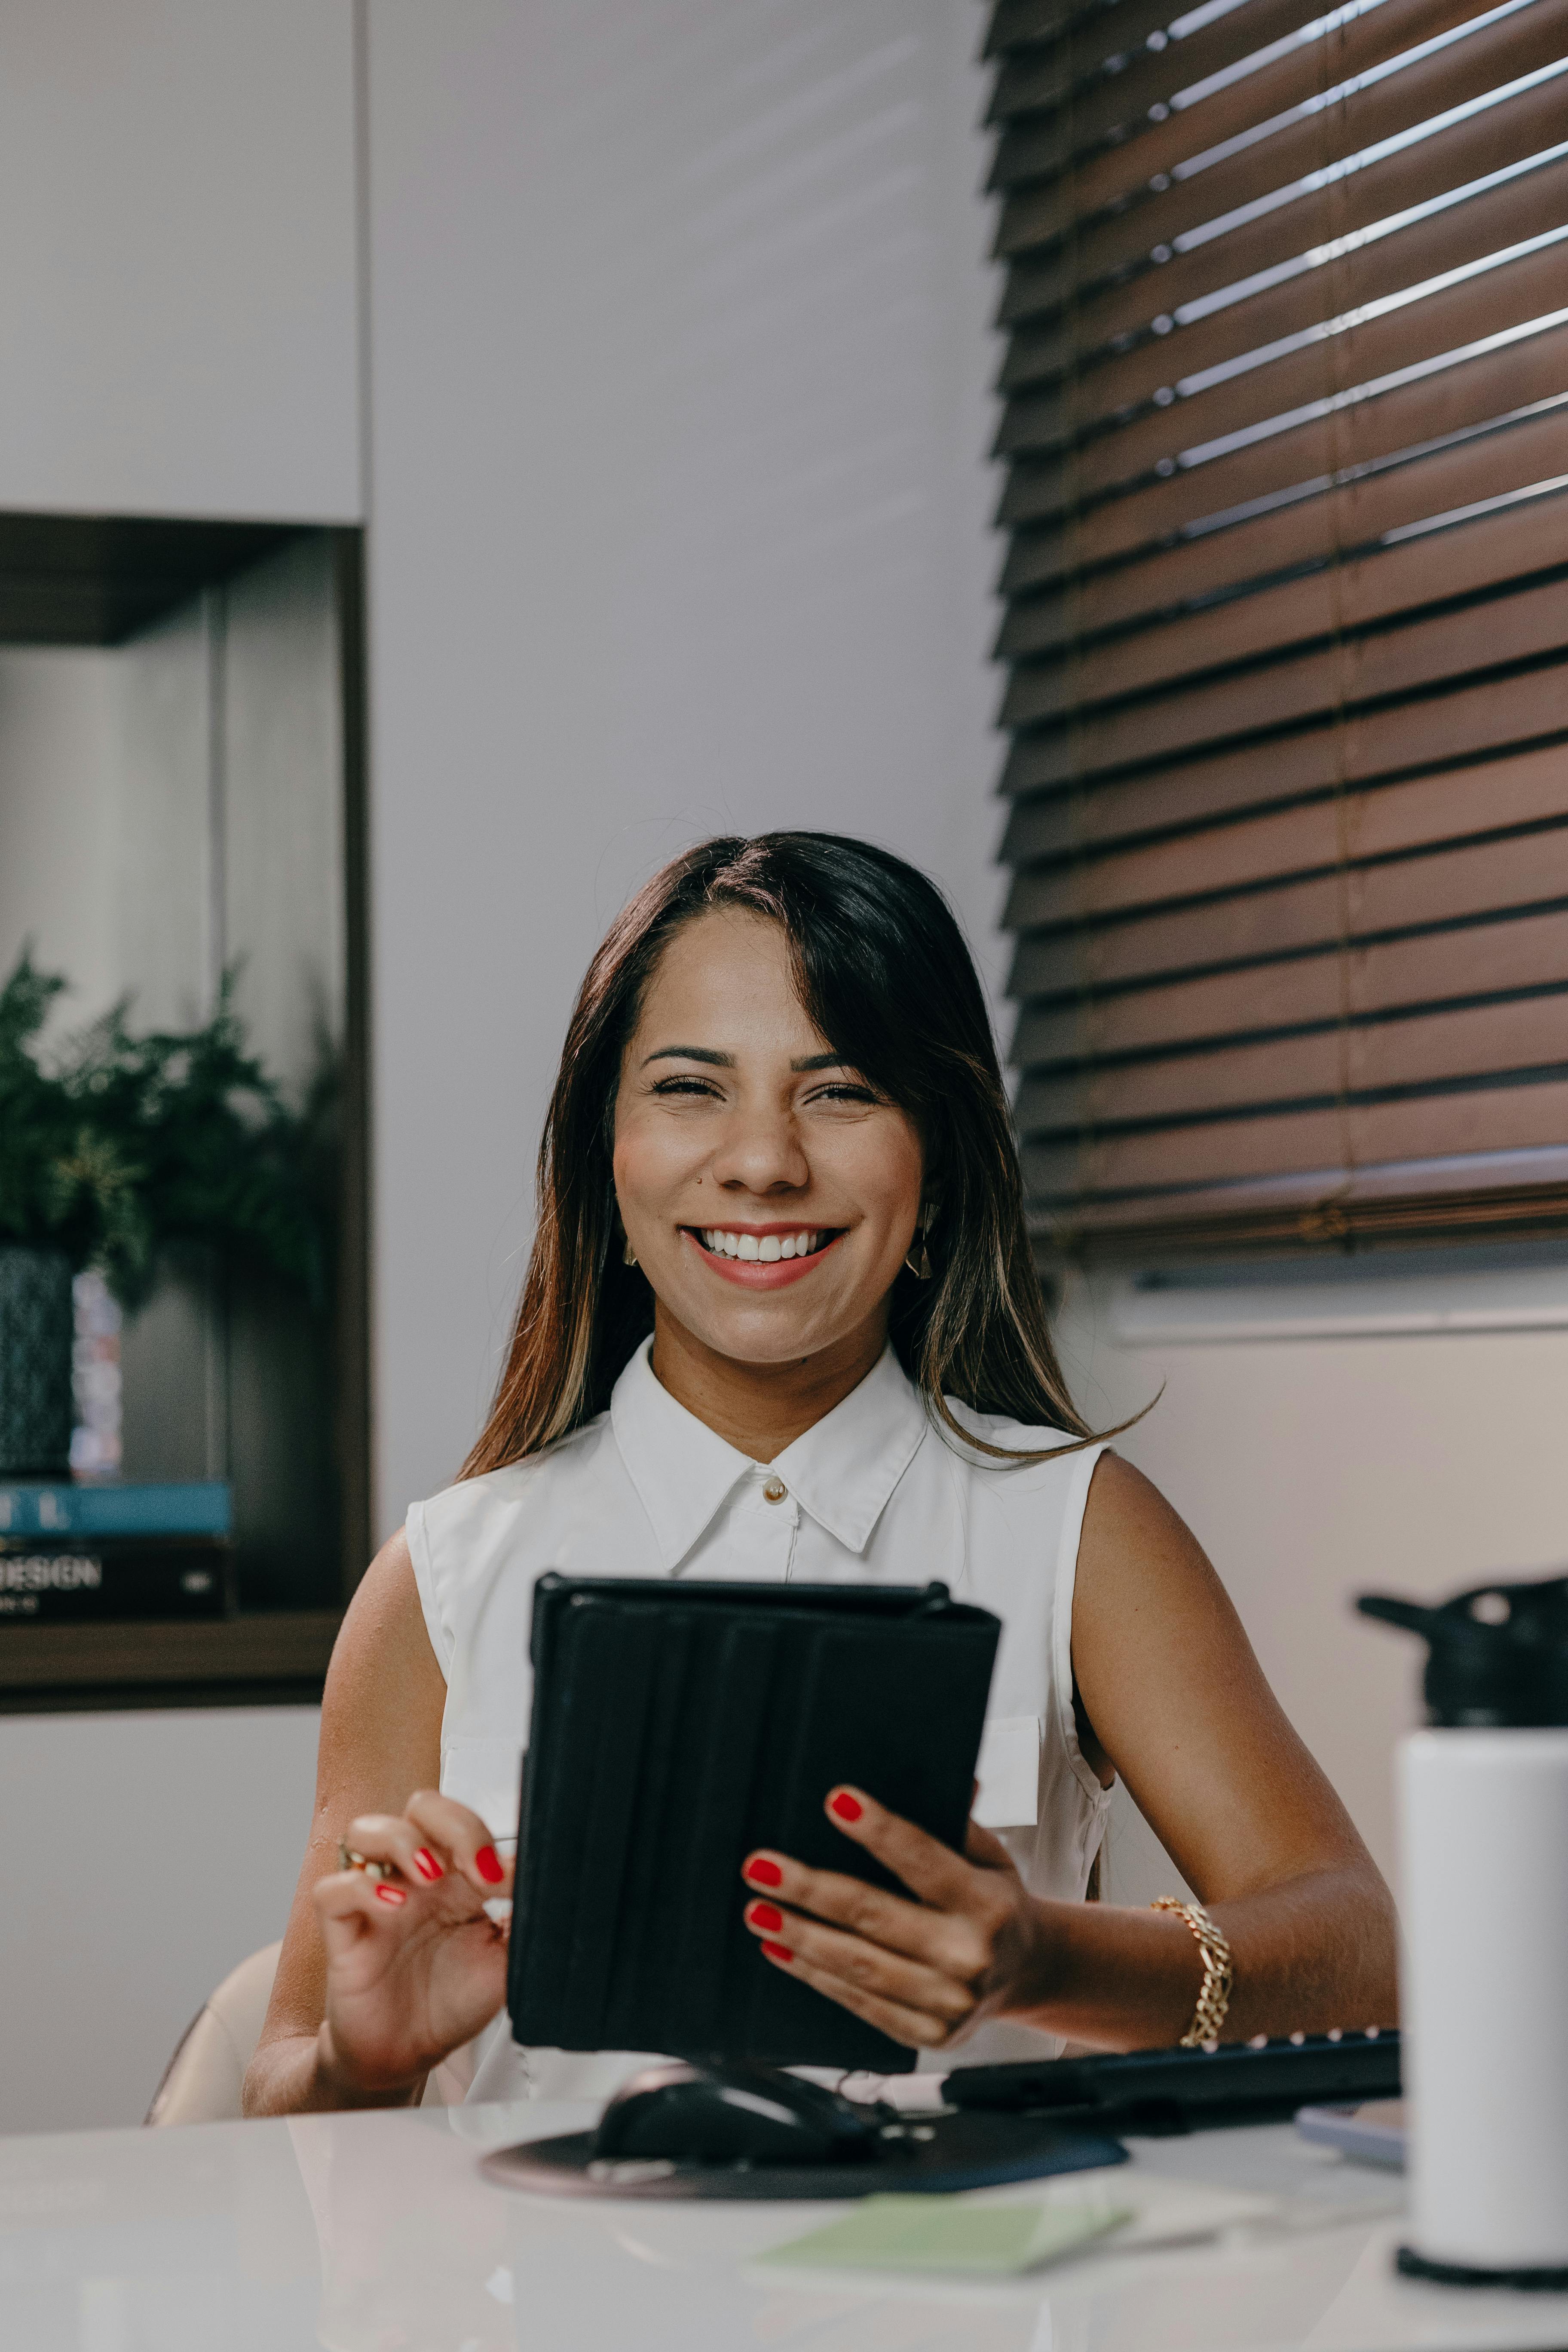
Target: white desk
(379,2233)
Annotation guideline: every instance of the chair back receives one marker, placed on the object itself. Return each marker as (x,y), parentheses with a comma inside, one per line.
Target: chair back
(203,2081)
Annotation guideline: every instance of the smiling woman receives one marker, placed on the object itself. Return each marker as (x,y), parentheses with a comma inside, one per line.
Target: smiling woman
(710,1138)
(782,1321)
(786,1035)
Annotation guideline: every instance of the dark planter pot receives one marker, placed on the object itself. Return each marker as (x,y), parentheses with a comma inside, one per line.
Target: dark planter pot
(37,1333)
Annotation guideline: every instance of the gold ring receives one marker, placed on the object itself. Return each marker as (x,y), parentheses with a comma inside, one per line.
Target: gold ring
(349,1860)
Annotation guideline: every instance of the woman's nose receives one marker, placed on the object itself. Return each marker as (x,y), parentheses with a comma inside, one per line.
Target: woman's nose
(761,1152)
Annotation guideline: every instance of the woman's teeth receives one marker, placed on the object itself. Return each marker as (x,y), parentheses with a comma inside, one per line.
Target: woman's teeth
(765,1246)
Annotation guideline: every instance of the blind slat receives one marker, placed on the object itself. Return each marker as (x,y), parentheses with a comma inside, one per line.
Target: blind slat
(1241,66)
(1462,723)
(1021,24)
(1105,66)
(1213,794)
(1435,967)
(1470,881)
(1260,338)
(1401,69)
(1422,211)
(1209,83)
(1502,310)
(1429,96)
(1304,462)
(1395,821)
(1411,1048)
(1386,584)
(1437,647)
(1357,517)
(1484,1119)
(1285,421)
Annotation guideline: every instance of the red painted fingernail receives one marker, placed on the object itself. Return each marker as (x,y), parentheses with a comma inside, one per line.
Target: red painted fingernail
(765,1915)
(486,1861)
(425,1864)
(386,1894)
(764,1872)
(848,1808)
(778,1951)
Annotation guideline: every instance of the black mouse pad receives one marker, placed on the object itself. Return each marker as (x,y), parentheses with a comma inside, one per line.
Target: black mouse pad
(963,2152)
(677,1725)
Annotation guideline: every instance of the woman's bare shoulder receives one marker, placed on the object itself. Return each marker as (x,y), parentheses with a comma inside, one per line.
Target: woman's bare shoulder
(1124,1503)
(1140,1565)
(386,1690)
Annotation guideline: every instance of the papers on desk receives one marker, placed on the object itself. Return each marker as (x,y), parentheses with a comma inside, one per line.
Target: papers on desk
(978,2235)
(949,2233)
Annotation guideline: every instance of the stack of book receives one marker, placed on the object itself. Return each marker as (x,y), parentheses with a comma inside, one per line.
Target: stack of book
(116,1551)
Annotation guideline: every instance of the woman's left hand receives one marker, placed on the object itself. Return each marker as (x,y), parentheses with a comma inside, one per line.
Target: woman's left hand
(972,1944)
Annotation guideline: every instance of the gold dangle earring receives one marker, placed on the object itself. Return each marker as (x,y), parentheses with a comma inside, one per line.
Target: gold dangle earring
(918,1258)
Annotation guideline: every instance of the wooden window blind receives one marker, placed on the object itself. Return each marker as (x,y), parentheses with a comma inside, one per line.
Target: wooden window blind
(1286,625)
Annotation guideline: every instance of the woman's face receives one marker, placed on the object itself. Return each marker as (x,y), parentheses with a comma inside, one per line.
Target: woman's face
(769,1193)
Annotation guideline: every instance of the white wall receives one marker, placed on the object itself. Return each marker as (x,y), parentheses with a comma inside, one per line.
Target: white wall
(678,370)
(167,854)
(1313,1469)
(59,818)
(148,837)
(283,816)
(177,274)
(144,1856)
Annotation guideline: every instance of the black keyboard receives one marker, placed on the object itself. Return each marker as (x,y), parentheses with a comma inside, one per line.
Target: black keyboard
(1185,2090)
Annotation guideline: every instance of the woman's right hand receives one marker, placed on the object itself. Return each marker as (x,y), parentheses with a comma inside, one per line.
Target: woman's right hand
(414,1966)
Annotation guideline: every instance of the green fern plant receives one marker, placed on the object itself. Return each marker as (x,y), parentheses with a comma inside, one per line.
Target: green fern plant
(117,1144)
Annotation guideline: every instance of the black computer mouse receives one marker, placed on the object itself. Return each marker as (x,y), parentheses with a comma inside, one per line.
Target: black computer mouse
(734,2115)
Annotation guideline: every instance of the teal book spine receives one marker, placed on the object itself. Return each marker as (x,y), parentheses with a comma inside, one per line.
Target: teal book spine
(197,1506)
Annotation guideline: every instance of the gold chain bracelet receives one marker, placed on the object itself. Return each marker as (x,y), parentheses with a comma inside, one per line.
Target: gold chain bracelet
(1219,1971)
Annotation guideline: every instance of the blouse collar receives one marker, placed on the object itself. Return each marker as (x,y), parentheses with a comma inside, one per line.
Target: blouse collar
(843,1470)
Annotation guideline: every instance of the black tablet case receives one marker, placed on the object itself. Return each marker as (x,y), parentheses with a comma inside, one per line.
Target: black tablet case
(676,1727)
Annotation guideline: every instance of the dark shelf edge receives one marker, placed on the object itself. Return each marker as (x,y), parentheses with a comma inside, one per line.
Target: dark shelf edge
(270,1659)
(142,1698)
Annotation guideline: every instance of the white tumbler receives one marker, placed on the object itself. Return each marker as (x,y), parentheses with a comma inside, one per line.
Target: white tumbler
(1484,2007)
(1485,1997)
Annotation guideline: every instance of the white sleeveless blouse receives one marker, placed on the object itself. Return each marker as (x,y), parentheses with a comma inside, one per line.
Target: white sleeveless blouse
(873,1494)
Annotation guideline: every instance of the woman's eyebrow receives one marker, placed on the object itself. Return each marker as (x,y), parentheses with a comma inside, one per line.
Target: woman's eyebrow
(693,1053)
(726,1061)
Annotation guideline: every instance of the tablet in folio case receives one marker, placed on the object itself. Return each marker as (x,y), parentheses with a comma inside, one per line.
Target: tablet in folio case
(675,1728)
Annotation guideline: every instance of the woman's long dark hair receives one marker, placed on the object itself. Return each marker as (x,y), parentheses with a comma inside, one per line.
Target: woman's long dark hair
(884,973)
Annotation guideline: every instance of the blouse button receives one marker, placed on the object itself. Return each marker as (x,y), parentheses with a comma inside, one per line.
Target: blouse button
(774,1491)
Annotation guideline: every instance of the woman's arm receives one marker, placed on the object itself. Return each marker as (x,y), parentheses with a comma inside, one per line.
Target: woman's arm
(1178,1704)
(1174,1701)
(378,1980)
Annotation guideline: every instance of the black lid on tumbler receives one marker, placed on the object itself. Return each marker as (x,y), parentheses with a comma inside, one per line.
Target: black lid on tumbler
(1498,1654)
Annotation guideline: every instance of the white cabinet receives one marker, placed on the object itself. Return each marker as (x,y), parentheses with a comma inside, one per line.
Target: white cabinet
(178,262)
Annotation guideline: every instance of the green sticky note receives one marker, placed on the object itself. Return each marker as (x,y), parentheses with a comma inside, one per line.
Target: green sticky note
(948,2233)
